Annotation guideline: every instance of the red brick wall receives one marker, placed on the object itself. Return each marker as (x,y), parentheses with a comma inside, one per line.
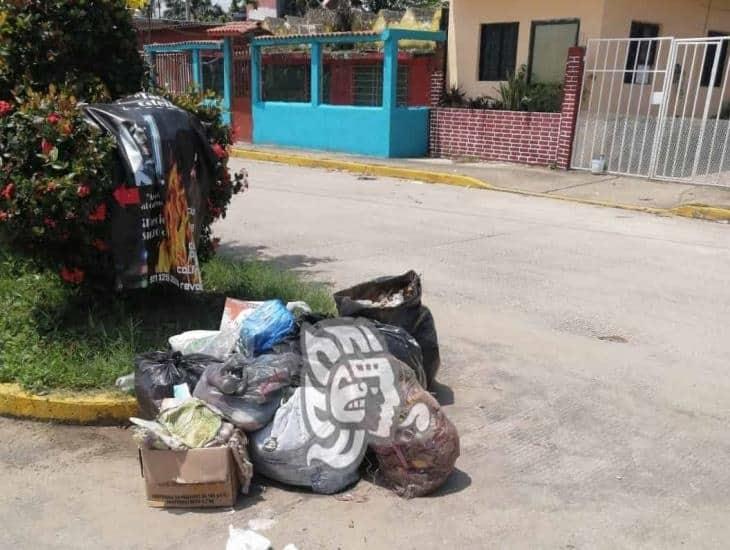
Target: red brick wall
(529,138)
(512,136)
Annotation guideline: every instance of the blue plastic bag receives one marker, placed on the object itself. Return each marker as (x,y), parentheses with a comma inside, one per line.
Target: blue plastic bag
(268,325)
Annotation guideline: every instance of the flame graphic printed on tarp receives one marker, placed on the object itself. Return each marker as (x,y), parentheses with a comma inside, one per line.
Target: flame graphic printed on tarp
(167,170)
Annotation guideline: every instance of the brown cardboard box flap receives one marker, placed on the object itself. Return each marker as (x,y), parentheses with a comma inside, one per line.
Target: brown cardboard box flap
(187,467)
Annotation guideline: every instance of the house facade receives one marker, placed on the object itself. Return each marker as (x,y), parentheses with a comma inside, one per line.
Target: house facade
(488,40)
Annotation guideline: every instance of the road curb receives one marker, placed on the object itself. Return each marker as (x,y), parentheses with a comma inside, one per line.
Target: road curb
(96,408)
(363,168)
(705,212)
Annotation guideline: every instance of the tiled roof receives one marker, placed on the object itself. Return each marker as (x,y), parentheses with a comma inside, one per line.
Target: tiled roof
(316,35)
(142,23)
(186,43)
(234,28)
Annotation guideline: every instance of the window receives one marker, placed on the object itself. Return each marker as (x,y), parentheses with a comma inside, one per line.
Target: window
(710,61)
(642,53)
(549,43)
(367,83)
(498,51)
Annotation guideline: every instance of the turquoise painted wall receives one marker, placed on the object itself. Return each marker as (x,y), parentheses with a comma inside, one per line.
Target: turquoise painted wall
(369,131)
(409,132)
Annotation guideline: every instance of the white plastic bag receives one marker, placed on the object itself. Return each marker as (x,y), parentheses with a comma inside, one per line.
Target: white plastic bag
(245,539)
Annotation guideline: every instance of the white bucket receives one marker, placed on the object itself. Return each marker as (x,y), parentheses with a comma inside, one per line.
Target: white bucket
(598,166)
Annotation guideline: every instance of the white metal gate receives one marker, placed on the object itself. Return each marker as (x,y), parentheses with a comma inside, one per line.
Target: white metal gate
(656,107)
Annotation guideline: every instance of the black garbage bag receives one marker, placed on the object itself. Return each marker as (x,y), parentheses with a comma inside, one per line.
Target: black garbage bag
(403,347)
(396,301)
(156,374)
(247,391)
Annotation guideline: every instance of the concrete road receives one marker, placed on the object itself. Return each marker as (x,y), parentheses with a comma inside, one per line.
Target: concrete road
(585,362)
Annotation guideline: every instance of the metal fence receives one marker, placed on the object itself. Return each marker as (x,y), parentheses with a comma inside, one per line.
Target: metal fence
(173,71)
(656,107)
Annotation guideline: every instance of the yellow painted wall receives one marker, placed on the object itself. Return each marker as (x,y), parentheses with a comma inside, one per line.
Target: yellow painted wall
(598,19)
(678,18)
(468,15)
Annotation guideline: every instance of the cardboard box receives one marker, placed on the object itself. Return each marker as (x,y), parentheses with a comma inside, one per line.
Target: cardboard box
(197,478)
(233,308)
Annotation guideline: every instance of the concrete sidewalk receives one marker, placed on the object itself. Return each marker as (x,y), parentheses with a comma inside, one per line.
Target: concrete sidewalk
(659,197)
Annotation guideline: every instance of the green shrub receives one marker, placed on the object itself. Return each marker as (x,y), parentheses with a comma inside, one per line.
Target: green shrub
(544,97)
(512,92)
(87,46)
(454,97)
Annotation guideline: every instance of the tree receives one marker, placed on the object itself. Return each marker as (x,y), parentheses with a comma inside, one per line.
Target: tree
(300,7)
(200,10)
(89,45)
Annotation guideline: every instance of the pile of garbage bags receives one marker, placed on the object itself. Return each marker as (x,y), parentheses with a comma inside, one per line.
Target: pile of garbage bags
(246,386)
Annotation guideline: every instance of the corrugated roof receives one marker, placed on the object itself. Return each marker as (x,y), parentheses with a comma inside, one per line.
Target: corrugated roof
(234,28)
(273,38)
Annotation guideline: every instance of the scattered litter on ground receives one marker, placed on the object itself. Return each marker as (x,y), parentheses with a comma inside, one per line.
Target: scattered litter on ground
(125,383)
(350,497)
(261,524)
(614,338)
(246,539)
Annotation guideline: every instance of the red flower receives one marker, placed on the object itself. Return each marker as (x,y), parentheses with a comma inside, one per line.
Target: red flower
(83,191)
(46,146)
(98,215)
(3,216)
(8,191)
(72,275)
(219,150)
(5,108)
(49,222)
(53,118)
(100,245)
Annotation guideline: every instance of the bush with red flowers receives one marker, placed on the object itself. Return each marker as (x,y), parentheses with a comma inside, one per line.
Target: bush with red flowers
(47,154)
(57,174)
